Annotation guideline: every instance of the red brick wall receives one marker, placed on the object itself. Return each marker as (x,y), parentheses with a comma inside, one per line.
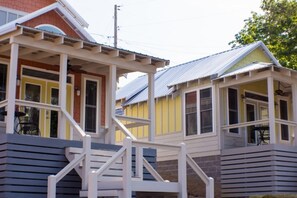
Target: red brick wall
(26,5)
(211,165)
(54,19)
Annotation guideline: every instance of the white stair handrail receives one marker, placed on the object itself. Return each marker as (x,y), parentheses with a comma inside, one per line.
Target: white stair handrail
(123,128)
(83,157)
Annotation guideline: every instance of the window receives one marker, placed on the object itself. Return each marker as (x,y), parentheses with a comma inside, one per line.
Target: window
(50,28)
(283,105)
(206,110)
(8,15)
(3,72)
(198,118)
(91,106)
(191,113)
(233,108)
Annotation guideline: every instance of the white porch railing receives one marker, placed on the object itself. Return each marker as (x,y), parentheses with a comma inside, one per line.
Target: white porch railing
(245,124)
(84,157)
(133,121)
(126,153)
(3,103)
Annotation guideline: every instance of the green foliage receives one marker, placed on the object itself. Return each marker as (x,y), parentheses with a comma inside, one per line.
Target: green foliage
(276,27)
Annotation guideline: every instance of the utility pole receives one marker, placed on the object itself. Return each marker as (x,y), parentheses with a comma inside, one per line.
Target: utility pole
(115,37)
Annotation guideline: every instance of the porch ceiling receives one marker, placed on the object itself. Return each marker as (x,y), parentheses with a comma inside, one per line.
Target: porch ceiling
(46,47)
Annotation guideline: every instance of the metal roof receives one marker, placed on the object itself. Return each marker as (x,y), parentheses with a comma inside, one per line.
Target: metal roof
(133,88)
(215,65)
(250,67)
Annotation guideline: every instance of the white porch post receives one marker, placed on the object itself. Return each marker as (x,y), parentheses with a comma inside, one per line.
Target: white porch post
(112,102)
(271,111)
(12,74)
(151,106)
(62,95)
(294,99)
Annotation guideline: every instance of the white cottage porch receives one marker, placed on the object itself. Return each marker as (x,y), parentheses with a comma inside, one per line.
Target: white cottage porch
(258,106)
(22,44)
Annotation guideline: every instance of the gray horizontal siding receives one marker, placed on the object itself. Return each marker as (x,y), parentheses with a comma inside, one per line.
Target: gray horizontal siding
(259,170)
(27,161)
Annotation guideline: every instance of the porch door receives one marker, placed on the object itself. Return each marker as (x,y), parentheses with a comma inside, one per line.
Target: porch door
(255,111)
(34,90)
(38,90)
(52,117)
(251,116)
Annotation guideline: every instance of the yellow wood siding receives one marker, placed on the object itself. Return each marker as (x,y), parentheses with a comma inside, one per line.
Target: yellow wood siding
(168,117)
(258,55)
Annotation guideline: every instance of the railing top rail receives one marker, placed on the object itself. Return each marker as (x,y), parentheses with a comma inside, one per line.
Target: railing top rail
(73,123)
(155,145)
(133,119)
(245,124)
(37,105)
(123,128)
(3,103)
(287,122)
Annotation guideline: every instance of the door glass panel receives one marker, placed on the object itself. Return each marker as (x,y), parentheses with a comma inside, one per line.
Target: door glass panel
(250,116)
(32,93)
(91,106)
(54,114)
(284,116)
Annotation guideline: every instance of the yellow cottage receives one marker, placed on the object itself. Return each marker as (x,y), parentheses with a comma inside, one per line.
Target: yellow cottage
(235,110)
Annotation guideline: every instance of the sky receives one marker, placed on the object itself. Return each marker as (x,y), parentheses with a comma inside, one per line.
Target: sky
(177,30)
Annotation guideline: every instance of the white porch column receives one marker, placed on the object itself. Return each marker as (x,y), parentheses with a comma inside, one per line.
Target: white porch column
(151,106)
(62,95)
(294,99)
(12,74)
(271,110)
(111,102)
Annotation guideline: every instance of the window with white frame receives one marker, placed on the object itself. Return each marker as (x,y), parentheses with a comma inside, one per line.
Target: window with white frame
(50,28)
(3,78)
(233,108)
(198,112)
(191,113)
(8,15)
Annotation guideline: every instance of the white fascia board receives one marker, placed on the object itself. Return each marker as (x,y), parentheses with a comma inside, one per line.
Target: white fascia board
(275,61)
(76,15)
(75,23)
(12,25)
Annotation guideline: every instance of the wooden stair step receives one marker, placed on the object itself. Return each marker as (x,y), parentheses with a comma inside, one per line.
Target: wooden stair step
(103,193)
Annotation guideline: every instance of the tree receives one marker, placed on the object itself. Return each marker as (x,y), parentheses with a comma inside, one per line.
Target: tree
(276,27)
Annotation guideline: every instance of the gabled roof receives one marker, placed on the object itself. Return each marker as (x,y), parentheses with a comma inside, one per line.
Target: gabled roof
(136,86)
(212,66)
(217,64)
(63,9)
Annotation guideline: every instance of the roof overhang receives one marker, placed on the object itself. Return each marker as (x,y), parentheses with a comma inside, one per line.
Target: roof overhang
(257,73)
(46,47)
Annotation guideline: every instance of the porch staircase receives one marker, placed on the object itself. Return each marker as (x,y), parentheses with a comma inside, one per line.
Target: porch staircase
(106,173)
(117,179)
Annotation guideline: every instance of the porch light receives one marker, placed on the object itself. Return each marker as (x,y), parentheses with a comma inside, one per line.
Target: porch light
(77,91)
